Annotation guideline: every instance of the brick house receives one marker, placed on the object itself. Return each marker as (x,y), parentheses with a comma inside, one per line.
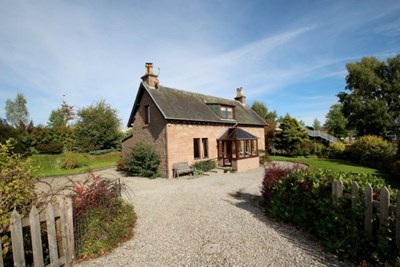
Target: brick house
(188,127)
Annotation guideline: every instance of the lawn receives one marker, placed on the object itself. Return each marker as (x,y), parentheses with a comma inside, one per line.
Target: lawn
(333,164)
(51,165)
(339,165)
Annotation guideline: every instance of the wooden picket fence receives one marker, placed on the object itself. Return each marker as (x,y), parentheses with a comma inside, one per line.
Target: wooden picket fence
(60,235)
(384,206)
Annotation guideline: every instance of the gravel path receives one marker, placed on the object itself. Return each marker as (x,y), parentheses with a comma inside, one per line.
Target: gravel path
(208,221)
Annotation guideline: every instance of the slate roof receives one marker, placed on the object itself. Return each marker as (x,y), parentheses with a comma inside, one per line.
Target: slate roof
(182,105)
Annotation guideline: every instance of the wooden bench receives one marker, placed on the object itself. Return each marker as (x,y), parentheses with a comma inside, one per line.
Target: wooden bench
(180,168)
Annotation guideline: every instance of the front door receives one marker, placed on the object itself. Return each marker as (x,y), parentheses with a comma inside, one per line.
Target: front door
(225,152)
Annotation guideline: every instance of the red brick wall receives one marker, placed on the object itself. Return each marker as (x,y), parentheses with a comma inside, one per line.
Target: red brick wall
(180,141)
(152,134)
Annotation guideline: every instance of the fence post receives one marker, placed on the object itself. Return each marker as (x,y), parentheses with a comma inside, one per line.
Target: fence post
(17,240)
(368,209)
(397,230)
(51,235)
(70,223)
(337,191)
(384,200)
(355,188)
(36,237)
(1,254)
(64,233)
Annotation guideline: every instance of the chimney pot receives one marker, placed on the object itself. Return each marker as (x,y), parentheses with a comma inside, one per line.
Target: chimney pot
(149,77)
(240,96)
(148,68)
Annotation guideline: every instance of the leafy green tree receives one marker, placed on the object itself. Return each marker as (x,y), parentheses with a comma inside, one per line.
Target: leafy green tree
(262,110)
(97,127)
(60,117)
(270,118)
(16,110)
(373,105)
(291,135)
(335,122)
(56,119)
(317,125)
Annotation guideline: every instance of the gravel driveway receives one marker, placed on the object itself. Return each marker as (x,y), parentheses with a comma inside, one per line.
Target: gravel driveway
(208,221)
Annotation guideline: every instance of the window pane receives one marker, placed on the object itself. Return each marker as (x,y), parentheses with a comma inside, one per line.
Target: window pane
(241,149)
(233,149)
(229,113)
(223,113)
(254,151)
(248,151)
(196,148)
(204,151)
(147,115)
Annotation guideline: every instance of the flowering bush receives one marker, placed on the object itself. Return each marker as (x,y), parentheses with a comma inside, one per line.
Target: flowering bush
(102,219)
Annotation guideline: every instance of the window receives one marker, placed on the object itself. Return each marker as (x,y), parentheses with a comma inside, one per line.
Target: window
(226,112)
(196,148)
(200,149)
(204,142)
(147,115)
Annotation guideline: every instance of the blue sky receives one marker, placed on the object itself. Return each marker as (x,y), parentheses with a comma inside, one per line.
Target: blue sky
(290,55)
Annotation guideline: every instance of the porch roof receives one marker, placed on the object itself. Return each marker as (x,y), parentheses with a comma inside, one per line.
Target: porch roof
(236,133)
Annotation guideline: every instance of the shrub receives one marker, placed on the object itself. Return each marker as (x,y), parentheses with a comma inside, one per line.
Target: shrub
(16,188)
(336,150)
(318,149)
(272,175)
(303,149)
(395,169)
(101,152)
(103,220)
(372,151)
(50,148)
(72,160)
(142,161)
(304,199)
(204,166)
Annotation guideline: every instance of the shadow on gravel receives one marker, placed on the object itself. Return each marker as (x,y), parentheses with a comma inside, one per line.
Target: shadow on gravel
(252,204)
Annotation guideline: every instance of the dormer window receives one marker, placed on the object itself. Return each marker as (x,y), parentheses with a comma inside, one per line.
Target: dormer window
(226,112)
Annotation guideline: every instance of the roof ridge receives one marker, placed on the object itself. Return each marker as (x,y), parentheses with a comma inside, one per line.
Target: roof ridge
(195,93)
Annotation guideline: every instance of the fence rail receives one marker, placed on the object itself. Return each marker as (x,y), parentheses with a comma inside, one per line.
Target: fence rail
(386,209)
(60,235)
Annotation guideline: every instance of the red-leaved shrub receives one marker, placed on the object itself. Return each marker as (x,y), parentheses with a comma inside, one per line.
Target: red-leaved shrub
(273,174)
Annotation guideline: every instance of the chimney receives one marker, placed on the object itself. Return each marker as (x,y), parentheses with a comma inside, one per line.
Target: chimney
(149,77)
(240,96)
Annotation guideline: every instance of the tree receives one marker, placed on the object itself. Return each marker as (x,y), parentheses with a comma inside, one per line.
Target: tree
(270,118)
(291,135)
(262,110)
(97,127)
(373,105)
(317,125)
(16,111)
(60,117)
(335,121)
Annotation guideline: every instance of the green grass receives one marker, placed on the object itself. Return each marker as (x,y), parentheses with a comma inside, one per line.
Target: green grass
(339,165)
(51,165)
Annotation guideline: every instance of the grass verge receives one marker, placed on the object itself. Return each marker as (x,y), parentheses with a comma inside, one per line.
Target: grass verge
(339,165)
(105,229)
(51,165)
